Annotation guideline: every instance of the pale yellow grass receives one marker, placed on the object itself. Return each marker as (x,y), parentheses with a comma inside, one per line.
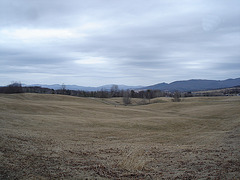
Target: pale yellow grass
(56,136)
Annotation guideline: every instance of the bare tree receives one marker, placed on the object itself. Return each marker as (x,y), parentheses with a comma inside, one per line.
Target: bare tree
(127,97)
(103,93)
(114,91)
(63,89)
(176,96)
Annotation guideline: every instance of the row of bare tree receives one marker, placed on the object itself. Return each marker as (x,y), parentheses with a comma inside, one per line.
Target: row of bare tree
(113,92)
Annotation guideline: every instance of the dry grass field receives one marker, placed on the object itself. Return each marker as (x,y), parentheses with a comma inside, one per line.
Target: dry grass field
(64,137)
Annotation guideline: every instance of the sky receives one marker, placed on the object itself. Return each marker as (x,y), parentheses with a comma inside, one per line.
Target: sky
(131,42)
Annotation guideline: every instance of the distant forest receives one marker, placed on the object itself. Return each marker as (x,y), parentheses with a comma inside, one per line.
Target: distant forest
(113,92)
(116,92)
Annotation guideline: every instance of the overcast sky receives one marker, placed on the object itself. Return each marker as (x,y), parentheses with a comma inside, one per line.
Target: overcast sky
(131,42)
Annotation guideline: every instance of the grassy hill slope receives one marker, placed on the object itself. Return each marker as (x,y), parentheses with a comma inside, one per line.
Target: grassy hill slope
(56,136)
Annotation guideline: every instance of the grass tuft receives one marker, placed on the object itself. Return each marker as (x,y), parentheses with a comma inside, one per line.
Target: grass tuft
(134,159)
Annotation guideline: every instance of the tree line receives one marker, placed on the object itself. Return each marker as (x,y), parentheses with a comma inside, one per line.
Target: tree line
(103,93)
(127,95)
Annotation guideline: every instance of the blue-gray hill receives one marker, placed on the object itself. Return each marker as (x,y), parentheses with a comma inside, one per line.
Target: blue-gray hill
(195,85)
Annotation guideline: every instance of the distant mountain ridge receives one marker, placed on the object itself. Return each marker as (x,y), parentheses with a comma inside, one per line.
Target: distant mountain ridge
(184,86)
(195,85)
(84,88)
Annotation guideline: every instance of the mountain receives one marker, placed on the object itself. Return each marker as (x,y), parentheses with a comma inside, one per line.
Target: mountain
(188,85)
(195,85)
(83,88)
(121,87)
(58,86)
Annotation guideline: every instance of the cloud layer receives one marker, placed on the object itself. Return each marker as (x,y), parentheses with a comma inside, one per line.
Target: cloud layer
(125,42)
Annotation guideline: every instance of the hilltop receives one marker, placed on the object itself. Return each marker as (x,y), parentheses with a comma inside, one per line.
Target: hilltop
(195,85)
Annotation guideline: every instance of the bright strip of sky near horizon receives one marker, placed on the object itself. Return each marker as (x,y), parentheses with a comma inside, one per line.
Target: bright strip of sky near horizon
(131,42)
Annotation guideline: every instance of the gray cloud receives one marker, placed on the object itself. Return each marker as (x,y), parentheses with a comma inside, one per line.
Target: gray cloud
(127,42)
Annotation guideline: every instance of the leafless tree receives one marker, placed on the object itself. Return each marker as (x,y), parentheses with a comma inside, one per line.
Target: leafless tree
(63,89)
(127,97)
(114,91)
(176,96)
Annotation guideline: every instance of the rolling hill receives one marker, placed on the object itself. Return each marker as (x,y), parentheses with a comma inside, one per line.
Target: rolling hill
(195,85)
(49,136)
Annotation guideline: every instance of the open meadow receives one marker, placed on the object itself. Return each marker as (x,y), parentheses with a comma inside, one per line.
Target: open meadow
(48,136)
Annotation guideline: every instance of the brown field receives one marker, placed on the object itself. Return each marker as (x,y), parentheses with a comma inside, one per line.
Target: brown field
(64,137)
